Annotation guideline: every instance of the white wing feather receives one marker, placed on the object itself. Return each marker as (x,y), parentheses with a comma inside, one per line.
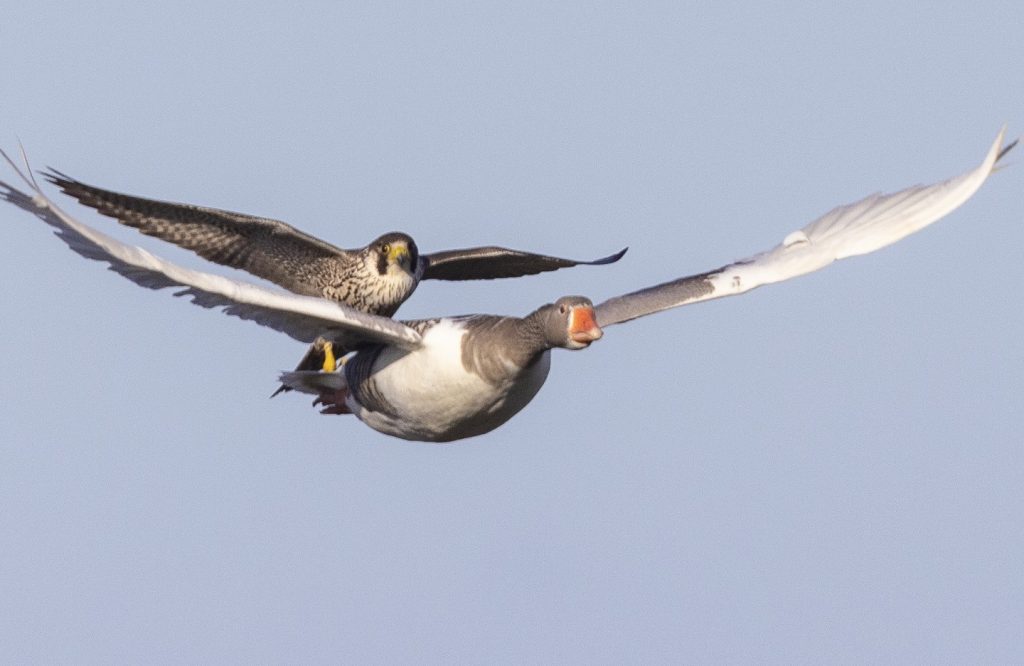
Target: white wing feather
(301,317)
(857,228)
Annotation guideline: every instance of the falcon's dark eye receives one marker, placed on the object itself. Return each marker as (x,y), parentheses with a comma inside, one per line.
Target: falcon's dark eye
(385,248)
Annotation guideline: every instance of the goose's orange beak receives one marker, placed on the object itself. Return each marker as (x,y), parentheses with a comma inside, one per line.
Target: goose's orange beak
(583,326)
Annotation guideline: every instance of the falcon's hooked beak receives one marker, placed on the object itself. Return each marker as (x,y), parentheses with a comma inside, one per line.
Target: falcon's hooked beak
(399,254)
(583,328)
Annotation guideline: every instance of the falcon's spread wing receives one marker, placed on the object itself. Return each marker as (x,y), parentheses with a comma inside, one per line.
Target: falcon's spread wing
(267,248)
(301,317)
(857,228)
(488,263)
(278,252)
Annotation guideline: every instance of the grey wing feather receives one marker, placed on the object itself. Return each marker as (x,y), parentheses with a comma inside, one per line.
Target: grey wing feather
(489,263)
(301,317)
(858,228)
(267,248)
(655,299)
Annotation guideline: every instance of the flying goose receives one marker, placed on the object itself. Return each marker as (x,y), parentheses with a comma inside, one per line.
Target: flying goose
(454,377)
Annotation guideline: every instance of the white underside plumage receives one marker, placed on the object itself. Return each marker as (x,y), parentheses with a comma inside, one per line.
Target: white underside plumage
(431,394)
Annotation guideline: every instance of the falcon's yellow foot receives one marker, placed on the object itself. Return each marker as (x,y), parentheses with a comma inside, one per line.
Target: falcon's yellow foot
(330,363)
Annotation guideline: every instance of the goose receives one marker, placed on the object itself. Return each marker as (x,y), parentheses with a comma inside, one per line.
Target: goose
(450,378)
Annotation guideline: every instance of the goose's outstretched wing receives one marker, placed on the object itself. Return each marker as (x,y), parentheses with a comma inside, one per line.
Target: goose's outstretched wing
(489,263)
(301,317)
(857,228)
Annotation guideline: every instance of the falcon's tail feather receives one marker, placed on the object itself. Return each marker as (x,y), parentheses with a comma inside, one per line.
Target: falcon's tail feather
(314,359)
(314,382)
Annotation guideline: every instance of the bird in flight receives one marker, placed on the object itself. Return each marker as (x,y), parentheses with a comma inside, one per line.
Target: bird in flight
(450,378)
(375,279)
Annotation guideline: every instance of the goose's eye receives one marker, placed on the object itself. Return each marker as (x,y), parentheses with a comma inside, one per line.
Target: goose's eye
(385,248)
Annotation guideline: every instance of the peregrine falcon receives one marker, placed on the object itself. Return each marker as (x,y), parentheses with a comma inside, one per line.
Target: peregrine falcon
(375,279)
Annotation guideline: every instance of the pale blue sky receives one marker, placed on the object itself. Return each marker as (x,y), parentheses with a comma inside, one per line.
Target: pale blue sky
(825,470)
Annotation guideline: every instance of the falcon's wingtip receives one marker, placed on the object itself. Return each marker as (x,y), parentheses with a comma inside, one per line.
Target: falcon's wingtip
(56,176)
(610,259)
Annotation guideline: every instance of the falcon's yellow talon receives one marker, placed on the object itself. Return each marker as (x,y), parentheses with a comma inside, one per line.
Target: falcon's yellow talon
(330,363)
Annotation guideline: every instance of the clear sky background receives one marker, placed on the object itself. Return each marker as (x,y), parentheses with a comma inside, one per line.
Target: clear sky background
(828,469)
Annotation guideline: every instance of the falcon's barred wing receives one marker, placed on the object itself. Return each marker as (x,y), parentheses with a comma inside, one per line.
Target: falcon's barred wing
(267,248)
(857,228)
(488,263)
(301,317)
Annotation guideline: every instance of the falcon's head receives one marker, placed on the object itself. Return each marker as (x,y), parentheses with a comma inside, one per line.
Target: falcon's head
(395,254)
